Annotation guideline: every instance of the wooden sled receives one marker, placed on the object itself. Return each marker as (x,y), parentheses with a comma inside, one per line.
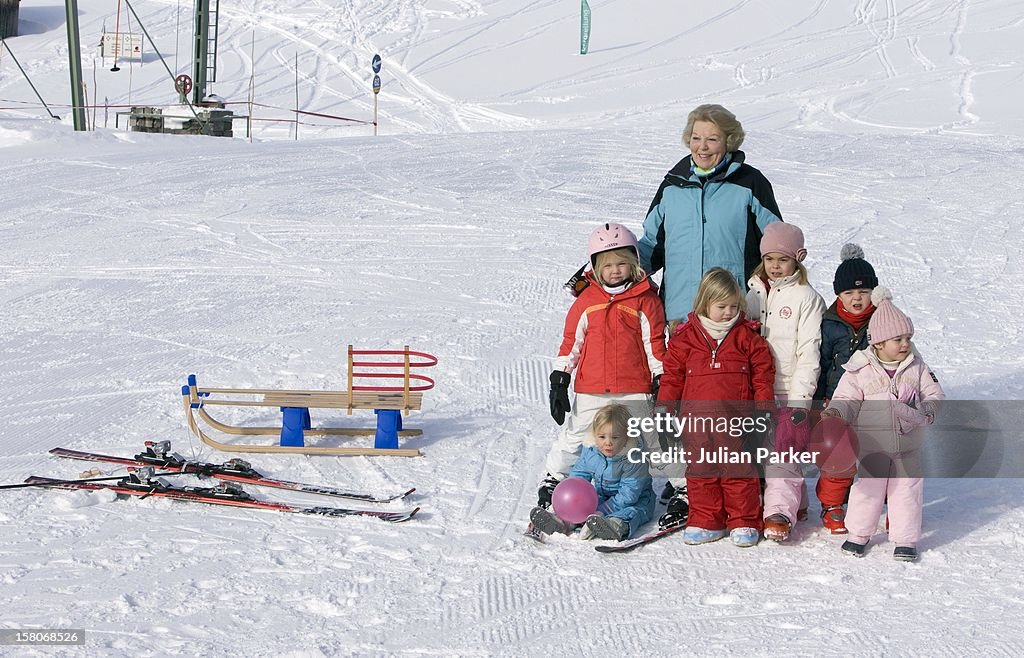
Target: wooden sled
(388,403)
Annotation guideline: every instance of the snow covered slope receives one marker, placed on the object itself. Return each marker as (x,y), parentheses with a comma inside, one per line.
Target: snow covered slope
(128,261)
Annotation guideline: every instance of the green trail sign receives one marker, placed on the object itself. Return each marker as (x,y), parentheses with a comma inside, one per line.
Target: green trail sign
(584,27)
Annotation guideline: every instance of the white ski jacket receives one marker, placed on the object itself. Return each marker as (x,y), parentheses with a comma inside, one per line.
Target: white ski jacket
(790,316)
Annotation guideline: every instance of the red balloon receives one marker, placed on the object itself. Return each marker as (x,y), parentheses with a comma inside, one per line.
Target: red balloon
(836,445)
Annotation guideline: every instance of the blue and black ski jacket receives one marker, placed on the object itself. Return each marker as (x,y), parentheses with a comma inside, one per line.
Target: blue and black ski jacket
(697,223)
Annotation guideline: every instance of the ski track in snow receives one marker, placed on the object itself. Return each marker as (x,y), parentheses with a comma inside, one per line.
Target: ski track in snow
(130,261)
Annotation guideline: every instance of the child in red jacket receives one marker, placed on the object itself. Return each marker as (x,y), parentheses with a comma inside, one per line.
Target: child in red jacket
(718,356)
(614,340)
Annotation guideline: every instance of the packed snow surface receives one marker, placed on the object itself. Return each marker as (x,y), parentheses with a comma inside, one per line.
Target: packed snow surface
(128,261)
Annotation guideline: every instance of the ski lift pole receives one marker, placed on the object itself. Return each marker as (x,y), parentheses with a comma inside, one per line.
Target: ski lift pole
(75,61)
(296,95)
(200,49)
(29,80)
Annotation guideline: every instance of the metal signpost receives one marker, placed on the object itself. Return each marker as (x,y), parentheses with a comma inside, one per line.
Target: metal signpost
(376,89)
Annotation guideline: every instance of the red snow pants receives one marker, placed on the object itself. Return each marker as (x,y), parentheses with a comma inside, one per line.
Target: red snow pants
(719,503)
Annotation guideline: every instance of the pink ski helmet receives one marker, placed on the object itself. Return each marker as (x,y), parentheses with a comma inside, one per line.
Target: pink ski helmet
(607,237)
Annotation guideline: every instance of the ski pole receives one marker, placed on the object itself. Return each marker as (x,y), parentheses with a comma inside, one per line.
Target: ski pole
(53,482)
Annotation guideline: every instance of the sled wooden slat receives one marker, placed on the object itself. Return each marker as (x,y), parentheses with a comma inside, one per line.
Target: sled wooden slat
(322,399)
(346,400)
(274,431)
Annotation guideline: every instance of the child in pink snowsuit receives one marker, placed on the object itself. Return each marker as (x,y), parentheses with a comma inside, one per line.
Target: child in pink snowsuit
(889,395)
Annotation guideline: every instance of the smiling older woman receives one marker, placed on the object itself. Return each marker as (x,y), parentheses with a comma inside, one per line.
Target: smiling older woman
(710,211)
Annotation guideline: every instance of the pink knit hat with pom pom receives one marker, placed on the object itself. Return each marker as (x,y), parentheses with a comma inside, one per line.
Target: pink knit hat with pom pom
(887,321)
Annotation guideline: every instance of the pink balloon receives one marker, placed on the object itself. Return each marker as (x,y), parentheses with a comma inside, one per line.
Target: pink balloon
(574,499)
(836,445)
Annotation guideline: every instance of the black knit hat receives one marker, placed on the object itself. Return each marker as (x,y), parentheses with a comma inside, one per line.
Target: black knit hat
(854,271)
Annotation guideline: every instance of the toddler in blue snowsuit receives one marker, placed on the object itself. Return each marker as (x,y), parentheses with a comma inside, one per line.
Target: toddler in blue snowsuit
(625,494)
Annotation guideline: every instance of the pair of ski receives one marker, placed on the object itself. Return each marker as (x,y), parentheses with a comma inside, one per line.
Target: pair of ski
(158,455)
(143,481)
(621,547)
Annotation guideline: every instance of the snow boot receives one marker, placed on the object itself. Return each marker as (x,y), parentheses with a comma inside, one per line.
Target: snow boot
(833,518)
(607,527)
(745,537)
(678,510)
(854,549)
(547,487)
(548,523)
(694,535)
(905,554)
(777,527)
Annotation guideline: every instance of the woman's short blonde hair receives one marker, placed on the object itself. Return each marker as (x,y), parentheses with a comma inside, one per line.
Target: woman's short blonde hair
(726,121)
(628,254)
(616,414)
(718,284)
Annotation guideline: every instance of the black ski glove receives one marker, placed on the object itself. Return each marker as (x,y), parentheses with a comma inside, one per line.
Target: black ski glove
(655,387)
(666,436)
(559,395)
